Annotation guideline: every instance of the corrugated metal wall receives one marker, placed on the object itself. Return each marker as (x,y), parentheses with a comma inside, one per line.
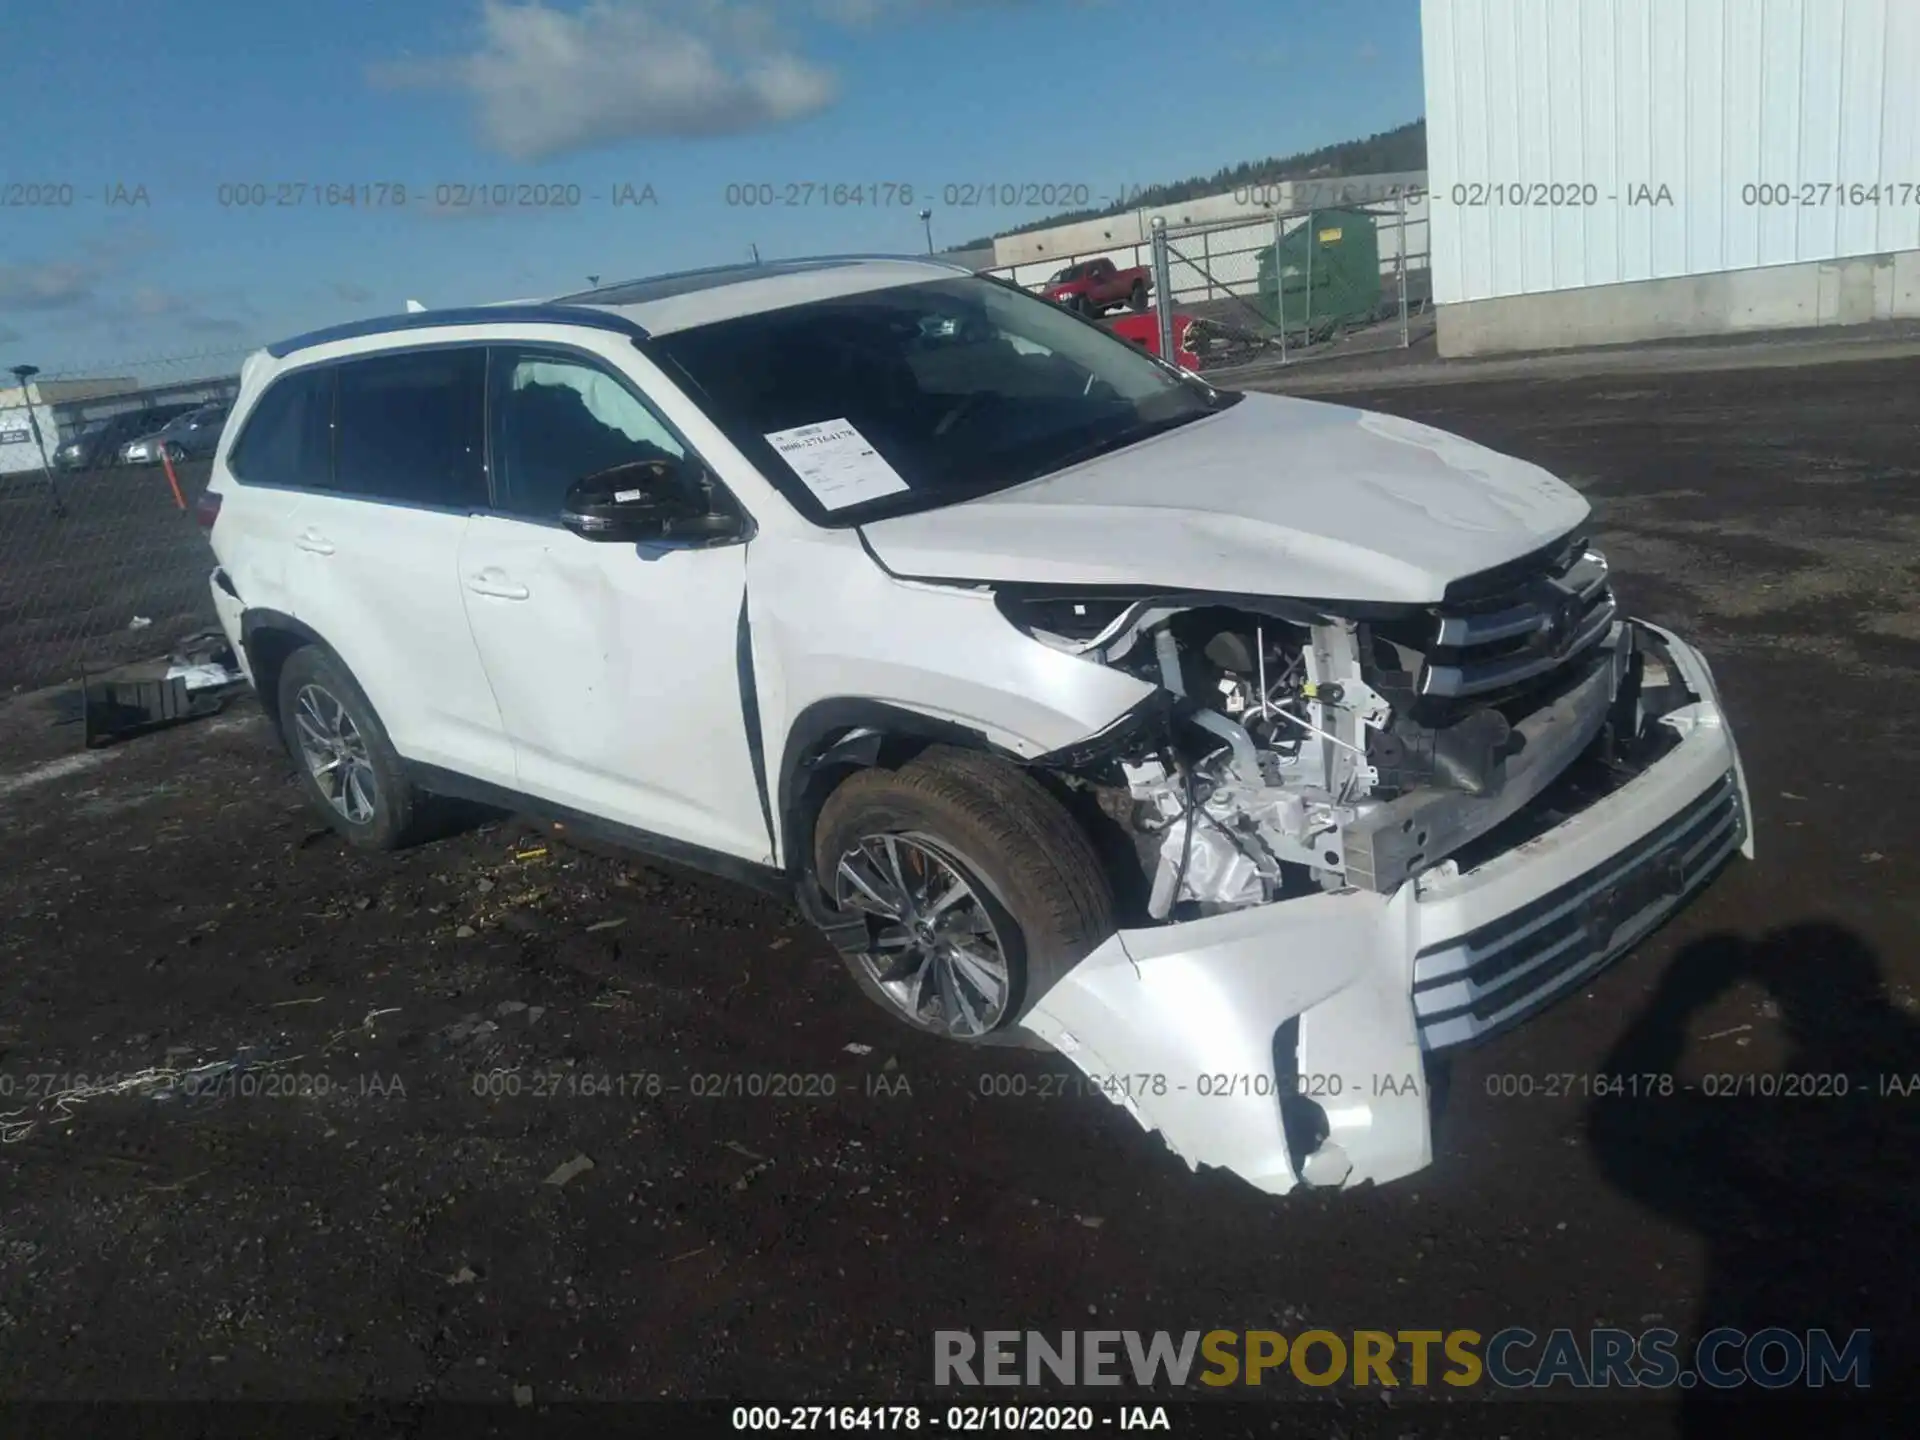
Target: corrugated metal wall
(1683,136)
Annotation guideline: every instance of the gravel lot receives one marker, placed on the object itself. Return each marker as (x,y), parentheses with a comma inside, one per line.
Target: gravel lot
(361,1211)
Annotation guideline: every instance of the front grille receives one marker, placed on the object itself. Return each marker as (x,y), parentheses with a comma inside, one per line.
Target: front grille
(1502,640)
(1494,976)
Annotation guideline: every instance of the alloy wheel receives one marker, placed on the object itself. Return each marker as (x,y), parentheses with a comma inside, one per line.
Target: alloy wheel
(934,949)
(335,754)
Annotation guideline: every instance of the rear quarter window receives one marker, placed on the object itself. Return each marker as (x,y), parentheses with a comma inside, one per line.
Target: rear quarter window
(288,439)
(410,427)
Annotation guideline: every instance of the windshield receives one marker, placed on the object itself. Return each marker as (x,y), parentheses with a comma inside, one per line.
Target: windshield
(913,397)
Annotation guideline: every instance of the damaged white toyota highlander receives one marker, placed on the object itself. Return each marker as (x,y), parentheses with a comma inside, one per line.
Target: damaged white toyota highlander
(1245,750)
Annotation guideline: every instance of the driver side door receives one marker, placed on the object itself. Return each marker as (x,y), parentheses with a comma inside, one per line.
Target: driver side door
(617,667)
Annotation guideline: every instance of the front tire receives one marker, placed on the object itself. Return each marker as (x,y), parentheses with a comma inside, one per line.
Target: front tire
(348,768)
(1137,297)
(977,888)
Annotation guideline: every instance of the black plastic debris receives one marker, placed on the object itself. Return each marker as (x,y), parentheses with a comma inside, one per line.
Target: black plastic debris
(195,681)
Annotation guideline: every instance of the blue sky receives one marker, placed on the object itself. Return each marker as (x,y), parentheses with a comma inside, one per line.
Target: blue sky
(147,110)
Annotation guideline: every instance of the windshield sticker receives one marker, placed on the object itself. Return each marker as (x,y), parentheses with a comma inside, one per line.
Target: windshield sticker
(837,463)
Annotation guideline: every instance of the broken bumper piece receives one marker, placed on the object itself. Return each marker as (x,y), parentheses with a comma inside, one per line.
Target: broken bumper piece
(1287,1042)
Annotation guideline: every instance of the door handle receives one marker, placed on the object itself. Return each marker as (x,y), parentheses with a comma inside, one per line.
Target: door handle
(314,542)
(496,584)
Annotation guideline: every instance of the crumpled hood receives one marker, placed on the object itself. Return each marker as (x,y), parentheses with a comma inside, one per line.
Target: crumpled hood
(1273,496)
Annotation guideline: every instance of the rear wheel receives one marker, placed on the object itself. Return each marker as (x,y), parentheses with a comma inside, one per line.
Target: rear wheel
(349,770)
(977,889)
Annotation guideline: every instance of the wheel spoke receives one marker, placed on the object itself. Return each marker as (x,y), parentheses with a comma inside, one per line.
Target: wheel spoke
(359,791)
(926,978)
(896,876)
(902,973)
(326,715)
(933,948)
(310,720)
(987,976)
(869,896)
(960,1015)
(310,738)
(951,896)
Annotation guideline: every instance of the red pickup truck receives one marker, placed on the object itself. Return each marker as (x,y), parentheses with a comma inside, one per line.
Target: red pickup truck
(1094,287)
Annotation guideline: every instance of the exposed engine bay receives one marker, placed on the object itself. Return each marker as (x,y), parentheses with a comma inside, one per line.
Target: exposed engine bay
(1295,752)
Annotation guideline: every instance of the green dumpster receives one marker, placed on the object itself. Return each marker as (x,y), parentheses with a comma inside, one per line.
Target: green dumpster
(1323,275)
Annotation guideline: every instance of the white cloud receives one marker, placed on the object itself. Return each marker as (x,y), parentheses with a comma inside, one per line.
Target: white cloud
(546,81)
(59,285)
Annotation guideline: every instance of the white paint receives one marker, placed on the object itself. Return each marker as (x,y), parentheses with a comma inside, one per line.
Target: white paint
(1704,97)
(386,585)
(1199,1002)
(613,665)
(749,292)
(1275,496)
(608,677)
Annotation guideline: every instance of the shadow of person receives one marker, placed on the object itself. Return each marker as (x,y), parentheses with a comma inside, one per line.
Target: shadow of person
(1798,1177)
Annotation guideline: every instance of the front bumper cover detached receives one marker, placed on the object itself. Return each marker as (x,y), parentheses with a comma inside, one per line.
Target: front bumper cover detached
(1287,1042)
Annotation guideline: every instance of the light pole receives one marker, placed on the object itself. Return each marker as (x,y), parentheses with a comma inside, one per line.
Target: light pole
(24,373)
(926,218)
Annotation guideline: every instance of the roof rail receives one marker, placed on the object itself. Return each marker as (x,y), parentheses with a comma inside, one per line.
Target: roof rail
(546,313)
(749,269)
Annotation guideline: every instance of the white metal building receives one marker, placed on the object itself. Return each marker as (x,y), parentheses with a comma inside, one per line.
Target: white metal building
(1613,170)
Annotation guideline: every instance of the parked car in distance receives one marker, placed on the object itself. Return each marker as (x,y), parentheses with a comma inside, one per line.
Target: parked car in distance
(196,434)
(1093,287)
(99,442)
(1249,747)
(180,426)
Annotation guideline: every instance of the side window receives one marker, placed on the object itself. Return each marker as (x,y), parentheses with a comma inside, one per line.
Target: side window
(558,418)
(411,427)
(289,436)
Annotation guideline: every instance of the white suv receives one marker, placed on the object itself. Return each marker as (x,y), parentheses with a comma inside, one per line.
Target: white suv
(1243,749)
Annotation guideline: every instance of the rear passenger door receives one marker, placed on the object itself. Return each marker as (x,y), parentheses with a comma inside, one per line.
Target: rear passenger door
(375,547)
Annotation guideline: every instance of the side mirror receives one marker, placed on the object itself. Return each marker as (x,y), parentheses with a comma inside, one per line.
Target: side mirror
(646,500)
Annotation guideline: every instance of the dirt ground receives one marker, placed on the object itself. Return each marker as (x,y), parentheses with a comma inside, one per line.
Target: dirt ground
(423,1047)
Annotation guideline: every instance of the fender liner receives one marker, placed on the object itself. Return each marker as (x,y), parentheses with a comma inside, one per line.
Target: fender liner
(253,620)
(809,753)
(256,617)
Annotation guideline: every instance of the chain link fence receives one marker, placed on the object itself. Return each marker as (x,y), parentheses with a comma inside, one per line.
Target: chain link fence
(101,562)
(1281,288)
